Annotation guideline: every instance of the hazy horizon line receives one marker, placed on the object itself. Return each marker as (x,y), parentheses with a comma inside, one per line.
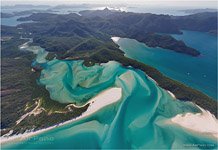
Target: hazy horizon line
(154,3)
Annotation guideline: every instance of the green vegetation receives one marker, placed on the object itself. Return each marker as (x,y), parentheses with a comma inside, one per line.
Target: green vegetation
(104,54)
(20,92)
(87,38)
(15,73)
(167,42)
(102,24)
(57,44)
(181,91)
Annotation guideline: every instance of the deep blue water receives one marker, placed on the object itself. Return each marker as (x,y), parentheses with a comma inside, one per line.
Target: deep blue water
(197,72)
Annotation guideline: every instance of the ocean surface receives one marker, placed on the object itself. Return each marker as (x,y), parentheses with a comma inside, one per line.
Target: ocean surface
(197,72)
(144,117)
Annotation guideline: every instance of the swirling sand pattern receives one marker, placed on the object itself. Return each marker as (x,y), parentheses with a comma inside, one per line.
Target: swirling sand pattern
(140,119)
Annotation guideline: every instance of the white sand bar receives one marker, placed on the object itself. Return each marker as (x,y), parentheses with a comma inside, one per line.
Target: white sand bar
(204,122)
(115,39)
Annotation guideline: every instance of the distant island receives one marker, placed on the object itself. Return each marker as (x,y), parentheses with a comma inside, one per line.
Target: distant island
(194,11)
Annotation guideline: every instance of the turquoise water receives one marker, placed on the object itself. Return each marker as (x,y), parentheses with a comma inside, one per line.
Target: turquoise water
(140,119)
(76,83)
(197,72)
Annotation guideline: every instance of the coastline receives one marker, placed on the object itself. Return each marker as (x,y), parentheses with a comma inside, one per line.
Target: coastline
(115,39)
(171,94)
(89,111)
(186,121)
(96,104)
(151,110)
(204,122)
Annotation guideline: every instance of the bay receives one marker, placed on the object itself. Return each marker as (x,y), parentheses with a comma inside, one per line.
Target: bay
(197,72)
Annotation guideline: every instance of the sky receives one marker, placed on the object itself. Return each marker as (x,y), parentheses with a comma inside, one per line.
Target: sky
(156,3)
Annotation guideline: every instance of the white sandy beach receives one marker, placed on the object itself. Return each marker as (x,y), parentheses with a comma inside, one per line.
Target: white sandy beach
(171,94)
(103,99)
(204,122)
(115,39)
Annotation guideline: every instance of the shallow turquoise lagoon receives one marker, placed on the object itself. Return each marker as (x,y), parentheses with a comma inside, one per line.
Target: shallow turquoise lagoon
(140,119)
(197,72)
